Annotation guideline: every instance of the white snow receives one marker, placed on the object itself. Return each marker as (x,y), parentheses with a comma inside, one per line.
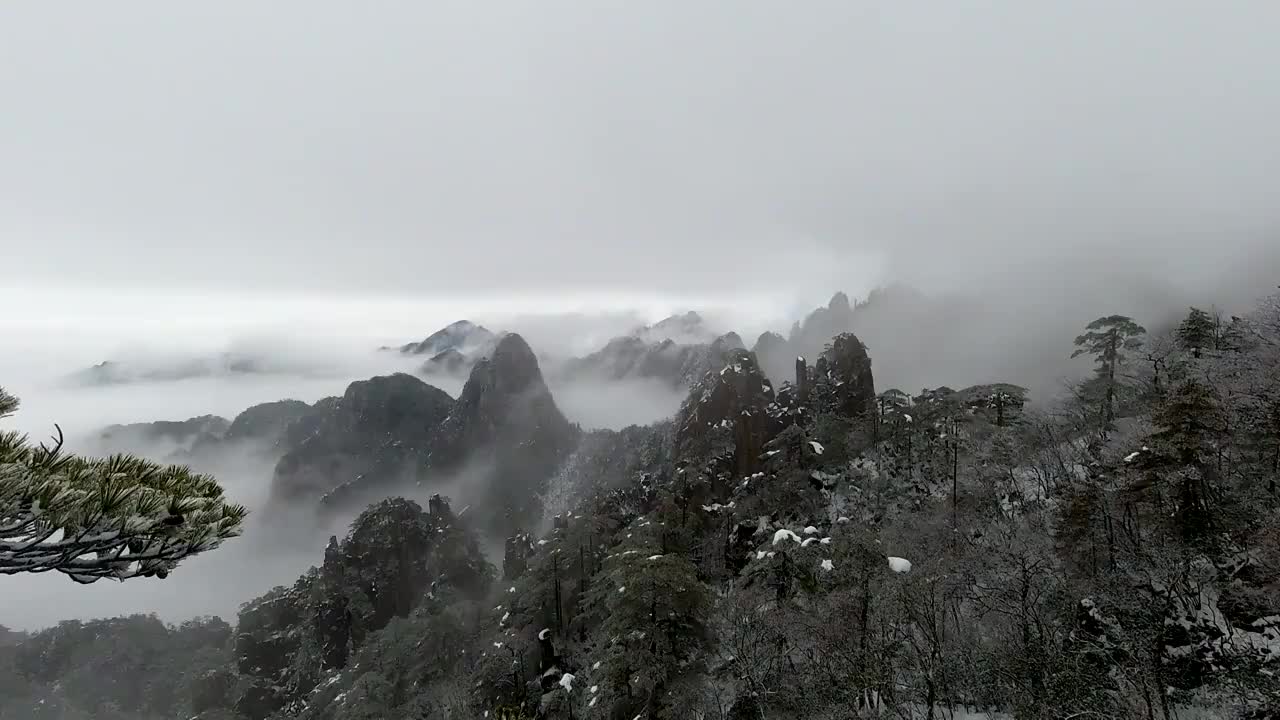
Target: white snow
(542,634)
(825,541)
(505,615)
(511,589)
(655,557)
(760,554)
(566,682)
(811,530)
(828,565)
(622,589)
(899,565)
(906,417)
(1132,456)
(808,541)
(784,534)
(595,688)
(596,666)
(842,520)
(593,702)
(817,446)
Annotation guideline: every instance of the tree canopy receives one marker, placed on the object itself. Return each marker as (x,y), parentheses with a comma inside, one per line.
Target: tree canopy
(118,517)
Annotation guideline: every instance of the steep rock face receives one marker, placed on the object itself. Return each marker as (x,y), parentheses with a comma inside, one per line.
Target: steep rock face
(737,397)
(846,369)
(266,422)
(507,417)
(379,428)
(462,336)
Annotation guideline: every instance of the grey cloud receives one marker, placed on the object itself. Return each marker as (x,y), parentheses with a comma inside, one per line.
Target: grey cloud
(746,146)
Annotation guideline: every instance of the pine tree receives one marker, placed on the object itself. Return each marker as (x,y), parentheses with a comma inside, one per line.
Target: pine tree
(1108,339)
(120,517)
(1198,332)
(1190,426)
(655,630)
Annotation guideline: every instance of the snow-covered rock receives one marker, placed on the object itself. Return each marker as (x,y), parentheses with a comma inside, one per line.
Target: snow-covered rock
(785,534)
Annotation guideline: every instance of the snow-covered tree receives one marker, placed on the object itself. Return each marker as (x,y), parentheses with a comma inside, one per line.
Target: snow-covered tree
(655,630)
(1109,340)
(119,517)
(1198,331)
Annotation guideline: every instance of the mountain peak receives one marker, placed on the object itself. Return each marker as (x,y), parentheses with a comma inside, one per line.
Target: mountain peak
(513,366)
(686,328)
(839,303)
(460,335)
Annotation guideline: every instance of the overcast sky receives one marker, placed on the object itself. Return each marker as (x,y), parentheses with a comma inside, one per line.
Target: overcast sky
(720,146)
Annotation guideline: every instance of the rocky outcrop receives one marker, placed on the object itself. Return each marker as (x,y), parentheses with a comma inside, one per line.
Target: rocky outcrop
(503,438)
(515,556)
(453,349)
(463,336)
(395,558)
(448,362)
(722,345)
(773,352)
(738,398)
(845,370)
(266,422)
(258,429)
(164,439)
(506,416)
(685,329)
(633,357)
(809,337)
(630,357)
(378,431)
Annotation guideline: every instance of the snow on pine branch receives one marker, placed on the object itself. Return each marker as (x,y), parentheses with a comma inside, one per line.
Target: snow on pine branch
(119,517)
